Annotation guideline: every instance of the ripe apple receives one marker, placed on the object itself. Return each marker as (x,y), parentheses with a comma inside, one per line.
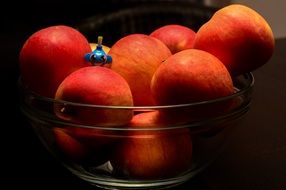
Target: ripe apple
(152,154)
(176,37)
(98,86)
(191,76)
(93,47)
(239,36)
(74,146)
(49,55)
(93,137)
(70,147)
(136,57)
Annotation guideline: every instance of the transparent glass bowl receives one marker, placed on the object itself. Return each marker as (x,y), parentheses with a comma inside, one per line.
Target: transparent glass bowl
(163,149)
(146,155)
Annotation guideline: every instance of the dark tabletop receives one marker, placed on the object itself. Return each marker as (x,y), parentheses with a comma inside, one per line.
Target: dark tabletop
(253,160)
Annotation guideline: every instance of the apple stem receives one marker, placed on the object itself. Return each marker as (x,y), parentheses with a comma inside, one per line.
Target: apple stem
(98,57)
(99,41)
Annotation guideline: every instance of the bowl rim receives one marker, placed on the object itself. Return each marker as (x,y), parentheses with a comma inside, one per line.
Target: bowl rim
(150,7)
(237,93)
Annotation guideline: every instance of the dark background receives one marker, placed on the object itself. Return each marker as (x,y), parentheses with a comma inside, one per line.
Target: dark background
(254,159)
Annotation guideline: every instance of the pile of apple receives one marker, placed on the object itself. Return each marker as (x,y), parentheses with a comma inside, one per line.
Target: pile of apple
(172,65)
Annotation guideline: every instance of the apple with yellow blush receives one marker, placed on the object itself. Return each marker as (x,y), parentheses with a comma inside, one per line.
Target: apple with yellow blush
(239,36)
(152,154)
(136,57)
(192,76)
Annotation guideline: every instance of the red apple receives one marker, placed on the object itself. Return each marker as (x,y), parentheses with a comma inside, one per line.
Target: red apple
(192,76)
(239,36)
(176,37)
(98,86)
(70,147)
(49,55)
(75,147)
(93,137)
(136,57)
(152,154)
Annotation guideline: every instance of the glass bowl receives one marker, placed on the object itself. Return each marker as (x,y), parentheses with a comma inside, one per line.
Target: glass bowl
(152,152)
(147,154)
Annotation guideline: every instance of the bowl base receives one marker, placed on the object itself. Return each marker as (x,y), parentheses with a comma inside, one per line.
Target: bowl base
(120,184)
